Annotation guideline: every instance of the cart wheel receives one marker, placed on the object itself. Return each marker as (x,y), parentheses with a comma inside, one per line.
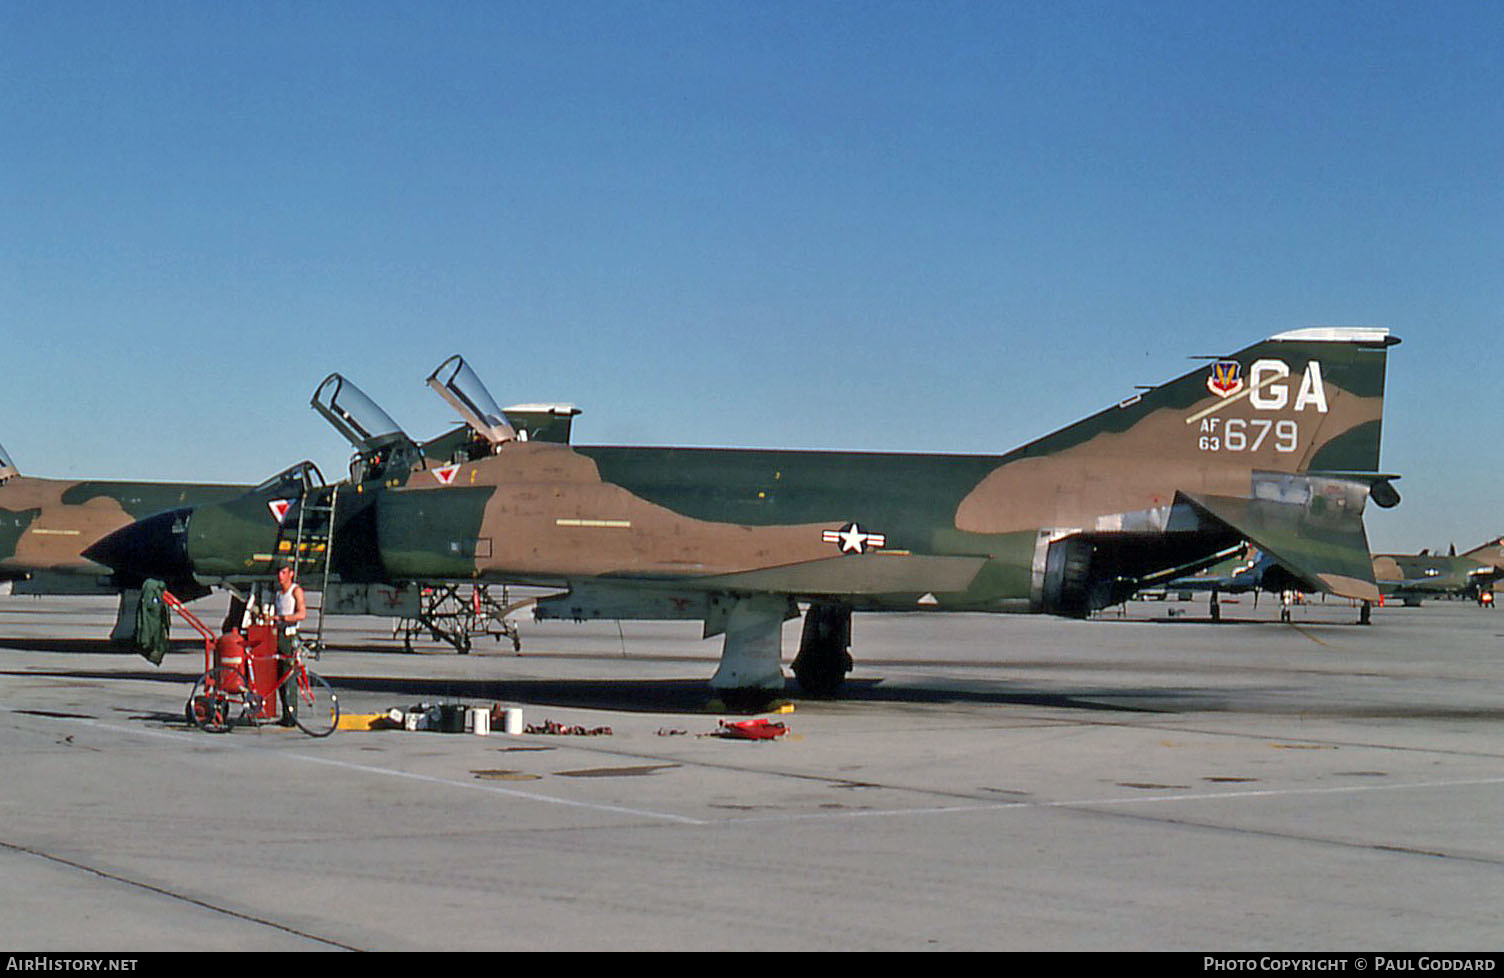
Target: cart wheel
(210,703)
(318,706)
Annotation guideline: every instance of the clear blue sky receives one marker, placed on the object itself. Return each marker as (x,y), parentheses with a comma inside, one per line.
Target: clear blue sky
(890,226)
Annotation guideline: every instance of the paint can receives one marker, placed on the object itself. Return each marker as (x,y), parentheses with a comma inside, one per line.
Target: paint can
(451,718)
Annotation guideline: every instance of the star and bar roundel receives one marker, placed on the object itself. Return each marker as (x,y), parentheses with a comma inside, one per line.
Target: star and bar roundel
(852,539)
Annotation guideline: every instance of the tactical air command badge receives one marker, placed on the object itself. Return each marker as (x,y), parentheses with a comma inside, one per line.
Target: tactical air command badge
(1226,378)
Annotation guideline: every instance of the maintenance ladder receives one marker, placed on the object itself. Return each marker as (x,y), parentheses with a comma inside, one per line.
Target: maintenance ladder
(312,546)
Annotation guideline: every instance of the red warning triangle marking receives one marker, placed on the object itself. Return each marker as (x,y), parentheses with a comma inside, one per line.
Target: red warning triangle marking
(445,473)
(279,508)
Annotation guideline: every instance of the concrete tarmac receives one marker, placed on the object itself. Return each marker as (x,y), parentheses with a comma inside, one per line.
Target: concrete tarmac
(988,782)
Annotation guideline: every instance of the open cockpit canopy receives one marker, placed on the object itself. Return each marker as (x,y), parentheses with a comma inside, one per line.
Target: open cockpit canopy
(462,389)
(380,443)
(292,483)
(457,384)
(354,415)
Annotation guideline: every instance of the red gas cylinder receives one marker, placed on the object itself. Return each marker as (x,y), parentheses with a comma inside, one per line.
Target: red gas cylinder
(229,652)
(261,649)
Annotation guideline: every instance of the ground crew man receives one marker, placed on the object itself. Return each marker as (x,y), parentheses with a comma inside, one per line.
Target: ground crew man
(288,609)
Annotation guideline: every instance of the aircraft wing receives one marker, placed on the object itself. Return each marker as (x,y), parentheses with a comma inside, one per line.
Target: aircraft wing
(1322,543)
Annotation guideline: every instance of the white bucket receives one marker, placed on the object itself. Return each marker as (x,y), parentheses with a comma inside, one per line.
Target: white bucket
(479,721)
(511,720)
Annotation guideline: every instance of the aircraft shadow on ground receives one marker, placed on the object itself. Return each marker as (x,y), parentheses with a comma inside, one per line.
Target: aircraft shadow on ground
(692,696)
(183,665)
(687,696)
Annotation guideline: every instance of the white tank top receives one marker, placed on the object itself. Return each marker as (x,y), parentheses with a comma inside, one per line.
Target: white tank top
(284,605)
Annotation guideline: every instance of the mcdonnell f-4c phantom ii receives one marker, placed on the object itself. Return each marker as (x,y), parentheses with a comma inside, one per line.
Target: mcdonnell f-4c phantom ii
(1411,578)
(46,524)
(1277,444)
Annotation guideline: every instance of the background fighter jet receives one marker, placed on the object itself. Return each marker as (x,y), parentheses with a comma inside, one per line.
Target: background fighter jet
(46,524)
(1413,577)
(1277,444)
(1251,572)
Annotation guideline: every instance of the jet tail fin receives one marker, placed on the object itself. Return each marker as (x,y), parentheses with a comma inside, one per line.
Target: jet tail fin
(1306,400)
(1491,552)
(1303,406)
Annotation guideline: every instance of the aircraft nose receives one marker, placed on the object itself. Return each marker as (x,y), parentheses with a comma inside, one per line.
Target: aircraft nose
(155,547)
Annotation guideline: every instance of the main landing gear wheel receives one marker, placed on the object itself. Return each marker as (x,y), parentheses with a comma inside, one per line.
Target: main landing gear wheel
(318,707)
(209,704)
(823,660)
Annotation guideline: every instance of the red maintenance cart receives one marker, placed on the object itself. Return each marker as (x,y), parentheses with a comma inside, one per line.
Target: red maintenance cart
(240,681)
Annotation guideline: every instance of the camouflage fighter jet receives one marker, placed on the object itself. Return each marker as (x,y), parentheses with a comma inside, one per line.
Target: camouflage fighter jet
(46,524)
(1277,444)
(1413,578)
